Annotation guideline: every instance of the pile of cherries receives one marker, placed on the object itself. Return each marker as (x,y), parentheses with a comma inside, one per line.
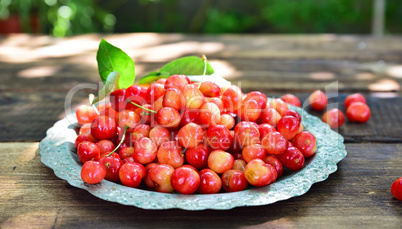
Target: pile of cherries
(177,135)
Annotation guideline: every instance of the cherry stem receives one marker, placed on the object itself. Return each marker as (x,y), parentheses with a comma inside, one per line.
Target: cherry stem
(203,58)
(143,107)
(121,142)
(91,98)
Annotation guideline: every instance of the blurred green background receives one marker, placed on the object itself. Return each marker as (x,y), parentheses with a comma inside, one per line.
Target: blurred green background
(70,17)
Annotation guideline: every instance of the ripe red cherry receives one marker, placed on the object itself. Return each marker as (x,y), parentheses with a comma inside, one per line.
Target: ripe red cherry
(274,161)
(85,129)
(118,99)
(105,146)
(176,81)
(93,172)
(170,153)
(103,127)
(147,180)
(258,173)
(227,120)
(140,131)
(198,156)
(168,117)
(247,133)
(318,100)
(88,151)
(159,135)
(239,164)
(220,161)
(137,95)
(128,118)
(358,112)
(291,99)
(193,97)
(126,152)
(155,91)
(185,179)
(275,143)
(396,188)
(83,138)
(112,165)
(258,96)
(219,137)
(306,143)
(131,174)
(292,159)
(232,98)
(210,182)
(234,181)
(85,114)
(265,129)
(189,116)
(209,114)
(250,110)
(190,135)
(293,113)
(173,98)
(144,151)
(269,115)
(289,126)
(217,100)
(279,105)
(334,118)
(253,151)
(160,175)
(357,97)
(210,89)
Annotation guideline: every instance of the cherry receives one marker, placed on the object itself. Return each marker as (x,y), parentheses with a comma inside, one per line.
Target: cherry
(83,138)
(210,182)
(189,116)
(318,100)
(147,179)
(357,97)
(209,114)
(176,81)
(198,156)
(234,181)
(128,118)
(276,163)
(85,129)
(291,99)
(293,113)
(103,127)
(112,165)
(144,113)
(161,81)
(218,102)
(126,152)
(159,135)
(93,172)
(144,151)
(158,104)
(193,97)
(258,173)
(334,118)
(396,188)
(219,137)
(289,126)
(247,132)
(85,114)
(279,105)
(118,99)
(190,135)
(137,95)
(250,110)
(269,115)
(185,179)
(105,146)
(173,98)
(358,112)
(253,151)
(257,96)
(275,143)
(88,151)
(265,129)
(131,174)
(220,161)
(232,98)
(155,91)
(168,117)
(239,164)
(292,159)
(306,143)
(110,112)
(161,175)
(210,89)
(170,153)
(227,120)
(140,131)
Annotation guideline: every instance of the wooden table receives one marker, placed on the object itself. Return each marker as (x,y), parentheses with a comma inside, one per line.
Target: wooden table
(36,73)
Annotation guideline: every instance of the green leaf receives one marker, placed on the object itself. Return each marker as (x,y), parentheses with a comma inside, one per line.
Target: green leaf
(110,85)
(113,59)
(190,65)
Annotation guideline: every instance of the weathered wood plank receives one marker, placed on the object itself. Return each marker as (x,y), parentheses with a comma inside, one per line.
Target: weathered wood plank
(357,195)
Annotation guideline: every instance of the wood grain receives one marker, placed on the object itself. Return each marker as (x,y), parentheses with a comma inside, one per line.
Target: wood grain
(357,195)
